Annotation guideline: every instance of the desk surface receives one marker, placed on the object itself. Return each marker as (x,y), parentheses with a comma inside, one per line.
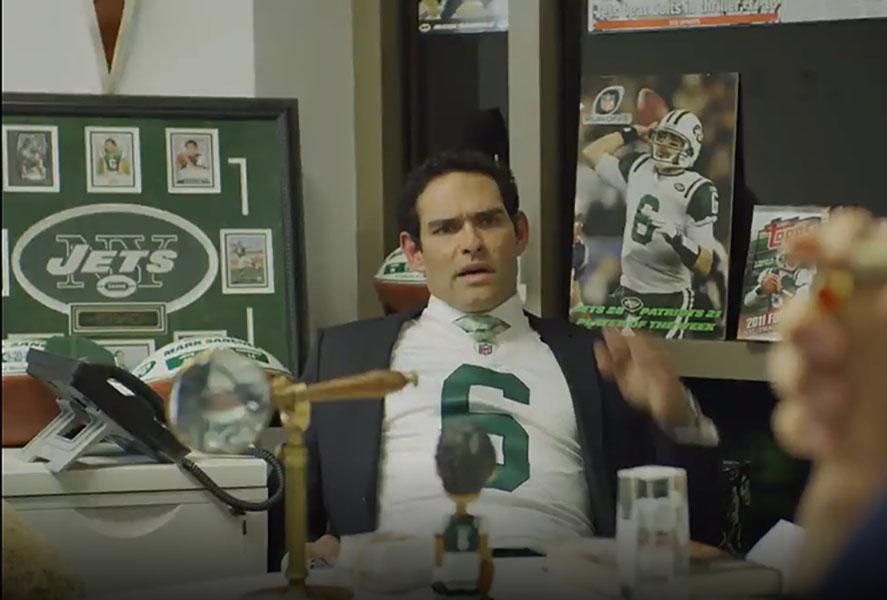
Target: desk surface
(110,470)
(515,579)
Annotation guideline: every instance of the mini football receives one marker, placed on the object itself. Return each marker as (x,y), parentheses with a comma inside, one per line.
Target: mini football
(650,107)
(398,286)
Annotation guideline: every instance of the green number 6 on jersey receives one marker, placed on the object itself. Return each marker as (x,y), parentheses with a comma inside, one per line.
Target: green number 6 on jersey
(455,402)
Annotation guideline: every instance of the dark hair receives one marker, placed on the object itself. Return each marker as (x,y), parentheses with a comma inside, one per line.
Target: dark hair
(112,140)
(454,161)
(465,457)
(191,142)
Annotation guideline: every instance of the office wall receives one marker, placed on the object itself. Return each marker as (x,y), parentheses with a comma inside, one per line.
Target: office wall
(51,46)
(265,48)
(189,48)
(304,50)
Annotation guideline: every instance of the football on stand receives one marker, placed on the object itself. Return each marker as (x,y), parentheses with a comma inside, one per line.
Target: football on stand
(28,405)
(399,287)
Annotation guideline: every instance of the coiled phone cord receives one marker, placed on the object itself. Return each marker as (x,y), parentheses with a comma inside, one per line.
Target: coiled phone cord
(239,506)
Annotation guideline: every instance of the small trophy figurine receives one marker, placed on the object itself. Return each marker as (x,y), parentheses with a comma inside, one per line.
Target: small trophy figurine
(463,563)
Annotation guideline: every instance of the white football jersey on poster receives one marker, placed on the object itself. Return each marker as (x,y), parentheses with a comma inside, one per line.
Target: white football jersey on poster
(517,393)
(687,201)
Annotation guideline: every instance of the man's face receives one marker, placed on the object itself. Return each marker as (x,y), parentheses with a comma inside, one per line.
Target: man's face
(666,146)
(469,245)
(191,149)
(110,147)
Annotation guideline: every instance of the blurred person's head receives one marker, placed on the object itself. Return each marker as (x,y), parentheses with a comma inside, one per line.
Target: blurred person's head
(32,569)
(829,374)
(461,226)
(465,459)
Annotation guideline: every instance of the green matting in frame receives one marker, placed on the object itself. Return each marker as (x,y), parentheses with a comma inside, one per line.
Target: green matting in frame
(141,220)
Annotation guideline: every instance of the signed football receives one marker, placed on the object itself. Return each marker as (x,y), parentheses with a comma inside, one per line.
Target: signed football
(160,368)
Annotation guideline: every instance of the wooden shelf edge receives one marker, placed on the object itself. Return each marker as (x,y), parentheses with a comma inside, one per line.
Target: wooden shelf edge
(738,360)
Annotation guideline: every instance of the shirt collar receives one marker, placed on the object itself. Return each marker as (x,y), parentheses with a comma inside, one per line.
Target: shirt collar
(511,311)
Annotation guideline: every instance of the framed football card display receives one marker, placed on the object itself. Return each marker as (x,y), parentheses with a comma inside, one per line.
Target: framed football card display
(772,277)
(653,205)
(139,221)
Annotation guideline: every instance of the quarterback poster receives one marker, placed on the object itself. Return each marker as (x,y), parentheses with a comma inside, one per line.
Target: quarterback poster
(653,206)
(772,276)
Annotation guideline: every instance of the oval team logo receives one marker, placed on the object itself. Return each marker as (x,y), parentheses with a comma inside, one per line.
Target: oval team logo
(609,100)
(131,254)
(632,304)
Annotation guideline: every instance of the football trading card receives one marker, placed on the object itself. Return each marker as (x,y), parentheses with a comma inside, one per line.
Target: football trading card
(772,276)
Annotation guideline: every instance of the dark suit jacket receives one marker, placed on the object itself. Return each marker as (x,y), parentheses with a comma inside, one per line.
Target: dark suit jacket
(861,570)
(344,437)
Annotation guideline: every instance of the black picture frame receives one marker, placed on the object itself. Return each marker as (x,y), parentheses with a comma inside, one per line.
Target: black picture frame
(282,111)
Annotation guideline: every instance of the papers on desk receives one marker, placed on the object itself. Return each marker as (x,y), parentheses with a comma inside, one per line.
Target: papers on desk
(590,564)
(779,548)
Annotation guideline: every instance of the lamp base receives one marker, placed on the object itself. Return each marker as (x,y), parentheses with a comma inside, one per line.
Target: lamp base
(310,592)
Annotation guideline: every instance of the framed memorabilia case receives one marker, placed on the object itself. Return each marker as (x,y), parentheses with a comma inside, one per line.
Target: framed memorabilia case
(137,221)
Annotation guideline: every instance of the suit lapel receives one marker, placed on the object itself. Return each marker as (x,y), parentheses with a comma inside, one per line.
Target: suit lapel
(377,355)
(576,360)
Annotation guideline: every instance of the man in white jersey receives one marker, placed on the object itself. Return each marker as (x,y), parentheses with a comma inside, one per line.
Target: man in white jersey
(670,214)
(775,285)
(563,407)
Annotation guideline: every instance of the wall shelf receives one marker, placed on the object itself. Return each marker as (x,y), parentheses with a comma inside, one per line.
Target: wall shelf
(745,361)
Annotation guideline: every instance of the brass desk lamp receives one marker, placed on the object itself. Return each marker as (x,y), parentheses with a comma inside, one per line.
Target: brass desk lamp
(222,401)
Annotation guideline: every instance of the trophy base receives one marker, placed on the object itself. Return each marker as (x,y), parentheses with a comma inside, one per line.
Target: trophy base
(303,592)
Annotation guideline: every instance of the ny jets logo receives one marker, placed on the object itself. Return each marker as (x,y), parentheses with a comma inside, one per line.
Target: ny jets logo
(632,303)
(113,252)
(120,264)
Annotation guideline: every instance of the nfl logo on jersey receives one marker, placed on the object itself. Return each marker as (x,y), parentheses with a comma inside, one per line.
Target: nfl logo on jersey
(485,348)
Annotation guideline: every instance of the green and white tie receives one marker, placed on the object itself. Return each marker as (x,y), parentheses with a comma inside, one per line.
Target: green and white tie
(483,328)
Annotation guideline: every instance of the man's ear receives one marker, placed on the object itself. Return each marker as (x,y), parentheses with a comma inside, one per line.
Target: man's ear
(412,251)
(522,231)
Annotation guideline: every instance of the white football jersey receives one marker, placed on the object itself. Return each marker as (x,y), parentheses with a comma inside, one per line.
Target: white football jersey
(517,393)
(687,200)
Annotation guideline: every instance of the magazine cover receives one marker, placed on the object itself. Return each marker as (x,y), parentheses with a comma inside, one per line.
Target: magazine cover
(646,15)
(771,276)
(462,16)
(654,197)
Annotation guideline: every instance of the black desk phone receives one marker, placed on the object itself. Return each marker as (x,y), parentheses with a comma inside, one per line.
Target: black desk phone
(101,403)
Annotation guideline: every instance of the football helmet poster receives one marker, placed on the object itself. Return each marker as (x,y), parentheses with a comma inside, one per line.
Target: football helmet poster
(772,276)
(653,206)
